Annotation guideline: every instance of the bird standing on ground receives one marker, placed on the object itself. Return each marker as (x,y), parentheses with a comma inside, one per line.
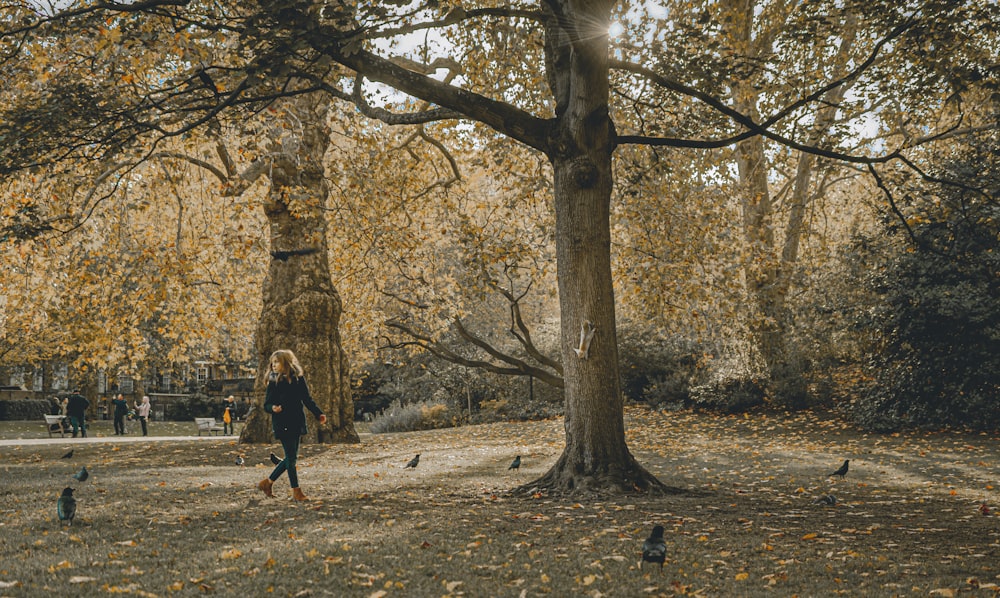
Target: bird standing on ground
(66,506)
(82,475)
(413,462)
(515,464)
(826,499)
(842,471)
(239,460)
(274,459)
(654,549)
(68,455)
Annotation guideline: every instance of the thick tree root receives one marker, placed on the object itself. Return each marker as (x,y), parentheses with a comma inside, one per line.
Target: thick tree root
(565,479)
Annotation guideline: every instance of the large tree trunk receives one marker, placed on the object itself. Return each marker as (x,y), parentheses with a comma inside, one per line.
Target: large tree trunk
(768,272)
(301,308)
(596,456)
(766,276)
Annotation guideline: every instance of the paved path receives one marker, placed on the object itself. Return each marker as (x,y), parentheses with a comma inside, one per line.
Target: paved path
(101,439)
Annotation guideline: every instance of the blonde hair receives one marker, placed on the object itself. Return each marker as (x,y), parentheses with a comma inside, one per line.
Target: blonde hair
(287,359)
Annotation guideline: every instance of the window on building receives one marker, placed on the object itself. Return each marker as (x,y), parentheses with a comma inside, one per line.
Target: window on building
(60,377)
(17,377)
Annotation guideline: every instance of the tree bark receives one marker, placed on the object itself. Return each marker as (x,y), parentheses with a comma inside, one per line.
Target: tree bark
(769,272)
(301,308)
(596,455)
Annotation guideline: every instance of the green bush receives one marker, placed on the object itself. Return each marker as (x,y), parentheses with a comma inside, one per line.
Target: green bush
(936,359)
(23,409)
(729,395)
(197,405)
(659,372)
(425,415)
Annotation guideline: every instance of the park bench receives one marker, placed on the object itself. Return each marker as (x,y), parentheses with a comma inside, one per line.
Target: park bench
(207,424)
(54,423)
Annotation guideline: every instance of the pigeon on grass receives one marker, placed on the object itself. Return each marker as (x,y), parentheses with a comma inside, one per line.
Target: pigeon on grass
(82,475)
(66,506)
(68,455)
(654,548)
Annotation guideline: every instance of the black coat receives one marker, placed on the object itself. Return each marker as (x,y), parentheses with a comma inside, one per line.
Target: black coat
(292,396)
(77,405)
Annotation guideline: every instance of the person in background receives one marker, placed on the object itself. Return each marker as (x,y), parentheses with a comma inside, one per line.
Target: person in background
(142,412)
(121,408)
(229,415)
(287,394)
(76,409)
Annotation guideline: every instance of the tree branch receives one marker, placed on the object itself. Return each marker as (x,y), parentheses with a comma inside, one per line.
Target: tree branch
(518,367)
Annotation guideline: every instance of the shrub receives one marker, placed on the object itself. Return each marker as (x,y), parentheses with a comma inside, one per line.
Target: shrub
(413,416)
(728,395)
(197,405)
(23,409)
(936,355)
(659,372)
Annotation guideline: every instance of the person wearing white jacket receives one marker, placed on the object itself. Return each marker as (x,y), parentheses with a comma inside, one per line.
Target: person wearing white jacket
(142,412)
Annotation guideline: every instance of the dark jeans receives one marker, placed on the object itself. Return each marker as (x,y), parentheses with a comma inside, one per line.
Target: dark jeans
(228,428)
(291,447)
(119,423)
(78,423)
(145,430)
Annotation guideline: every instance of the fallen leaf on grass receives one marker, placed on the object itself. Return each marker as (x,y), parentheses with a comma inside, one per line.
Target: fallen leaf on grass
(60,565)
(81,579)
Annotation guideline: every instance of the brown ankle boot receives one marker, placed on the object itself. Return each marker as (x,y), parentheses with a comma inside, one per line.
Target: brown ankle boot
(265,487)
(297,494)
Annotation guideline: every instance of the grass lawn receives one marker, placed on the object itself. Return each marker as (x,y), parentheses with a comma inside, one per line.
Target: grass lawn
(915,515)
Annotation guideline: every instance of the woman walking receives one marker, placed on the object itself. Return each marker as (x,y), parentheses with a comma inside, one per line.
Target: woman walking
(287,394)
(142,412)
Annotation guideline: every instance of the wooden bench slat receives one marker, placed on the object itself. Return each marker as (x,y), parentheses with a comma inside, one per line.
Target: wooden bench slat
(207,424)
(54,420)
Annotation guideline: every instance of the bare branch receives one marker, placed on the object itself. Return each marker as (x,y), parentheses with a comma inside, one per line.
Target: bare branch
(517,367)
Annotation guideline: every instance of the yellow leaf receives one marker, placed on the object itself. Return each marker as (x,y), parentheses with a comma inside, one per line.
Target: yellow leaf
(809,537)
(742,576)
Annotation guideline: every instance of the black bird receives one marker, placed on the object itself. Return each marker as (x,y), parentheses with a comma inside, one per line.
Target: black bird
(274,459)
(654,549)
(239,460)
(842,471)
(515,464)
(68,455)
(413,462)
(83,474)
(826,499)
(66,506)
